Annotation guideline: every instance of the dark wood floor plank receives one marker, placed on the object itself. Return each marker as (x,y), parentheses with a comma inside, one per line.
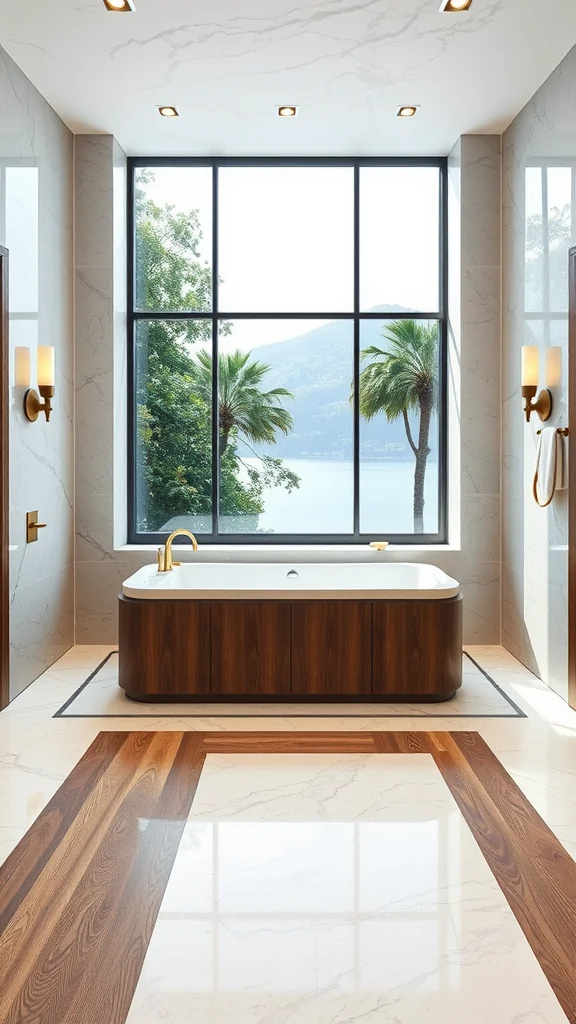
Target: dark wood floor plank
(288,742)
(58,924)
(22,867)
(38,908)
(534,871)
(129,929)
(401,742)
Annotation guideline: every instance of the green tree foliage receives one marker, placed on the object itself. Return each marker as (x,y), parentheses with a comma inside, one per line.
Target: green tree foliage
(174,384)
(400,380)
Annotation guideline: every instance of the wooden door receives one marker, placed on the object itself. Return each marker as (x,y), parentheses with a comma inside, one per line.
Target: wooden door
(4,486)
(331,648)
(251,648)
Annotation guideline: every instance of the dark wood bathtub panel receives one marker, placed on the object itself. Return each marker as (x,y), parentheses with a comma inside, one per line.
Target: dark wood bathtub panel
(417,646)
(331,647)
(164,647)
(251,647)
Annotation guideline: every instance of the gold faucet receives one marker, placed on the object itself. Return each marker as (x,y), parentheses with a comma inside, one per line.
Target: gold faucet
(165,563)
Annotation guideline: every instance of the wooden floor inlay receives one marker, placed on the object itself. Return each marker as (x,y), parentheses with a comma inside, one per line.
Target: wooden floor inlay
(80,894)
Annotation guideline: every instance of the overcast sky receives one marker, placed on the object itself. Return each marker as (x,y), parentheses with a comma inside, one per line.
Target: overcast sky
(287,242)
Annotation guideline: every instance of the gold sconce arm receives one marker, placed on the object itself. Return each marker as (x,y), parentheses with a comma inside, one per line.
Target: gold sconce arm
(542,406)
(33,406)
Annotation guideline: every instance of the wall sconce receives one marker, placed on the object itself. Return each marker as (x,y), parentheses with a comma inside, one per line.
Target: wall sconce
(530,372)
(32,404)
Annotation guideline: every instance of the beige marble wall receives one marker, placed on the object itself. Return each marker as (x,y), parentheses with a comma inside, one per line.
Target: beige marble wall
(36,203)
(539,192)
(473,556)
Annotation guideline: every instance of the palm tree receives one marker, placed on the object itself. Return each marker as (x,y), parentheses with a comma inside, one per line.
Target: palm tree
(244,406)
(401,379)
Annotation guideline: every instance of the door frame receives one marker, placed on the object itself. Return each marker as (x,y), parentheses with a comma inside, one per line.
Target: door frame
(4,485)
(572,479)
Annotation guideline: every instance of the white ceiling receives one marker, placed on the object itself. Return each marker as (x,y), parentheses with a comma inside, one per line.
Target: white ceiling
(227,64)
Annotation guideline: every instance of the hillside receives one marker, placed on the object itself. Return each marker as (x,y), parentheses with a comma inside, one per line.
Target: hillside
(317,367)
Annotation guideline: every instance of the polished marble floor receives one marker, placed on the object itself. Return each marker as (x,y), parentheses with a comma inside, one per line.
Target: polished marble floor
(280,907)
(312,888)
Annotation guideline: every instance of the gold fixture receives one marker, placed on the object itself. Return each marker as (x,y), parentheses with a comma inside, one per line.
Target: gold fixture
(32,404)
(530,373)
(119,6)
(455,6)
(165,563)
(287,111)
(32,527)
(379,545)
(542,405)
(564,431)
(407,111)
(165,111)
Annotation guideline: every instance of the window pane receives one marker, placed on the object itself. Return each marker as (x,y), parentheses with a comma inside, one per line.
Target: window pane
(286,239)
(21,205)
(399,375)
(173,429)
(286,426)
(534,241)
(173,238)
(560,235)
(399,239)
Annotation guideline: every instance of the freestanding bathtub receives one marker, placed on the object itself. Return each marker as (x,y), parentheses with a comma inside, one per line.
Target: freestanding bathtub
(302,632)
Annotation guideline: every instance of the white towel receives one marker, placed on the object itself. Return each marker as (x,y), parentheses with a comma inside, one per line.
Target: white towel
(549,475)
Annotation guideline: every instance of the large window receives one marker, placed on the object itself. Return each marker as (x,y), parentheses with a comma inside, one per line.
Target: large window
(288,350)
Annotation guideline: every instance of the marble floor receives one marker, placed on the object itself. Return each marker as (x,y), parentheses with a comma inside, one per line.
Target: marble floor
(479,697)
(332,887)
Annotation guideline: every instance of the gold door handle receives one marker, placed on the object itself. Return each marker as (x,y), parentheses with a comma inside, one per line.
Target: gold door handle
(40,526)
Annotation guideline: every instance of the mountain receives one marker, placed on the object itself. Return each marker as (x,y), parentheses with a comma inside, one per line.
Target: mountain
(317,367)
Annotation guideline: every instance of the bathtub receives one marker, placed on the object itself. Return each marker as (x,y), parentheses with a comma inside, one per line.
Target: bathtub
(407,581)
(260,632)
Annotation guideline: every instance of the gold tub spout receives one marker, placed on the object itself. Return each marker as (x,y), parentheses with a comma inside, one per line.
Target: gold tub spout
(165,563)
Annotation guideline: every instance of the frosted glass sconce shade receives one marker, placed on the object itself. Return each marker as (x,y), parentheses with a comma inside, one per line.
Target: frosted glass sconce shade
(32,404)
(530,367)
(530,374)
(46,366)
(22,366)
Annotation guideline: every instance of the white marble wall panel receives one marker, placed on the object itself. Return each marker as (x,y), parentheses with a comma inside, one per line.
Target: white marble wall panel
(474,172)
(539,176)
(36,211)
(100,168)
(103,561)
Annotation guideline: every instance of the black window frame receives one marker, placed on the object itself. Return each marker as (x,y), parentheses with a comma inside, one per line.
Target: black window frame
(357,316)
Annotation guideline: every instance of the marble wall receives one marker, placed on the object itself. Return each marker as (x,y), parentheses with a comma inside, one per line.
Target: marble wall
(539,196)
(103,558)
(100,172)
(36,212)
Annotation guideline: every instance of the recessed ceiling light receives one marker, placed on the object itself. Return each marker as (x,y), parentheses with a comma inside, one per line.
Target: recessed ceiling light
(169,111)
(119,6)
(455,6)
(407,111)
(287,111)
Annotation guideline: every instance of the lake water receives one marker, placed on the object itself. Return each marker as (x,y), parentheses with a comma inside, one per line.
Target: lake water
(324,501)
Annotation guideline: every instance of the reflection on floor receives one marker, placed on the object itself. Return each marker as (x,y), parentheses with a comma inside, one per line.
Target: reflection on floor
(316,888)
(307,887)
(480,696)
